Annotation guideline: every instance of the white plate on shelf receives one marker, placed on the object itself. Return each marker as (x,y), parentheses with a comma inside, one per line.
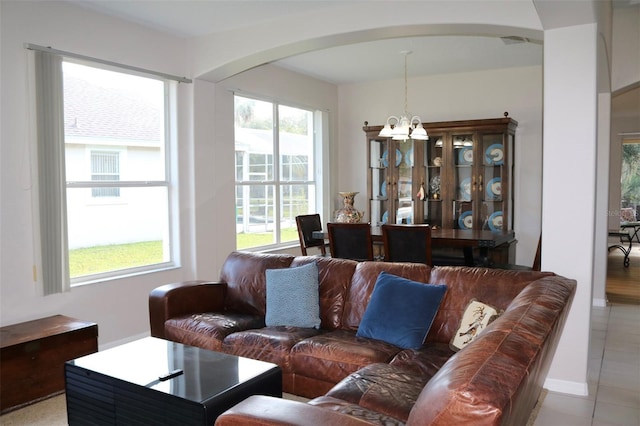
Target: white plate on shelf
(383,189)
(465,221)
(495,221)
(408,157)
(465,189)
(494,189)
(385,217)
(385,158)
(494,155)
(465,156)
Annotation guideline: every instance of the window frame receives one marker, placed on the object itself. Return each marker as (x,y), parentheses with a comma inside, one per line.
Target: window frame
(278,182)
(169,150)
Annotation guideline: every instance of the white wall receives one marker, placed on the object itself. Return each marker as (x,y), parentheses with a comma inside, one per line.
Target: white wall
(485,94)
(119,306)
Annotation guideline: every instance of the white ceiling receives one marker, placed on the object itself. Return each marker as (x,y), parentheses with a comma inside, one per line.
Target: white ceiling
(431,55)
(376,60)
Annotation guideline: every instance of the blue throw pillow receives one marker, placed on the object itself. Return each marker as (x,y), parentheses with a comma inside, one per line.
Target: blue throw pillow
(292,297)
(401,311)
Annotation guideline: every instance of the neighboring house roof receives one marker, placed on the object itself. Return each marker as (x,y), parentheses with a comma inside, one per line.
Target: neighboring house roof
(100,112)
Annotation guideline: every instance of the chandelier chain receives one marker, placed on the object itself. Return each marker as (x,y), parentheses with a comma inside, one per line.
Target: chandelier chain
(406,107)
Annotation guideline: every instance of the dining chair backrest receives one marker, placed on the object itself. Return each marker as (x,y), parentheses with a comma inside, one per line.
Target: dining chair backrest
(407,243)
(537,261)
(350,240)
(306,225)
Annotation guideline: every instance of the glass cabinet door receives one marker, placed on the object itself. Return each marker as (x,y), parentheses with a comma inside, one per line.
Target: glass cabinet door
(403,181)
(494,176)
(380,177)
(431,190)
(464,181)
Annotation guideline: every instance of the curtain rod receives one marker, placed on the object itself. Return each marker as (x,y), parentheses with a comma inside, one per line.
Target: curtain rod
(104,62)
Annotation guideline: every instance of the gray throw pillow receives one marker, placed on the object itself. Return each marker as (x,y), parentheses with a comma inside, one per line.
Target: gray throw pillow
(292,297)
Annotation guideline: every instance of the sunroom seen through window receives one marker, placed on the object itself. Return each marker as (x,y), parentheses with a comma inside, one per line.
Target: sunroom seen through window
(275,171)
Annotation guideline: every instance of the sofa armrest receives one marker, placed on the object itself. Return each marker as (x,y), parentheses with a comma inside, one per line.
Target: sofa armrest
(265,410)
(172,300)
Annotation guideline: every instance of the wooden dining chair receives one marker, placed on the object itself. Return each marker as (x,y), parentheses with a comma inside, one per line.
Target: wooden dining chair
(306,225)
(536,266)
(407,243)
(350,240)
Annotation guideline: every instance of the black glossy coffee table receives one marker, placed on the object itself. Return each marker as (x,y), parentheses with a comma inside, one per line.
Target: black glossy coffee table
(156,382)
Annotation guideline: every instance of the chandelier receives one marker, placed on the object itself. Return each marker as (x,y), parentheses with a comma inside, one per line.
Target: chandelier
(404,127)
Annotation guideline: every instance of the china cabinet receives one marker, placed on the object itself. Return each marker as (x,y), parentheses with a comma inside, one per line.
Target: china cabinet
(460,178)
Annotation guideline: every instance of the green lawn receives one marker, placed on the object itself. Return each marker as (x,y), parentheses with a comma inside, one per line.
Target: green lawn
(264,238)
(95,260)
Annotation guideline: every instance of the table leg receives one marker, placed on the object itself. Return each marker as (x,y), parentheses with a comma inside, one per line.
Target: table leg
(468,256)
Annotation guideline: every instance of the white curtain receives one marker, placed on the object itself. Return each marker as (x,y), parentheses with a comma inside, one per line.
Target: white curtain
(51,173)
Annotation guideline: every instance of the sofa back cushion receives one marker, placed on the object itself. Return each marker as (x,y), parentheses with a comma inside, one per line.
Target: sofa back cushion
(495,287)
(334,276)
(363,281)
(244,274)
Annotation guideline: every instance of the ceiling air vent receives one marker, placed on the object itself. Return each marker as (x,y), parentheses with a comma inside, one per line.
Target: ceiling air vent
(514,40)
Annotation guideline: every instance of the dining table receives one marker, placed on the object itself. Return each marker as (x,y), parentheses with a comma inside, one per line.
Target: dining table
(465,239)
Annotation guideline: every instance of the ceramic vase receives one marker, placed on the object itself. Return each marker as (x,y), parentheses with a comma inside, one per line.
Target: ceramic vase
(348,213)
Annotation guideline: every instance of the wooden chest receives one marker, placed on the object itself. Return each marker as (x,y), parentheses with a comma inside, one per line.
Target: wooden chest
(33,353)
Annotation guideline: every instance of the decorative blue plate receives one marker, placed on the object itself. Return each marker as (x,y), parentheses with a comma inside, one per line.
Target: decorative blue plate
(494,155)
(408,157)
(465,155)
(494,189)
(465,221)
(465,189)
(495,221)
(383,189)
(385,158)
(385,217)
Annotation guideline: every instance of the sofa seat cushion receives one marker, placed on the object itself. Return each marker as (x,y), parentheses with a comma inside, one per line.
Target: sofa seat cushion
(332,356)
(385,388)
(208,330)
(425,361)
(354,410)
(270,344)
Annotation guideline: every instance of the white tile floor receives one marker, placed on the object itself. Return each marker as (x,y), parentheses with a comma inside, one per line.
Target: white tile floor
(613,379)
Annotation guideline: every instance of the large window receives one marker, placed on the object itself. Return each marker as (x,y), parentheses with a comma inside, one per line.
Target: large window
(106,199)
(275,171)
(118,191)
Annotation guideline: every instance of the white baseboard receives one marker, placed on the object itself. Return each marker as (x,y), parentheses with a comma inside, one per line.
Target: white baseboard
(600,303)
(122,341)
(565,386)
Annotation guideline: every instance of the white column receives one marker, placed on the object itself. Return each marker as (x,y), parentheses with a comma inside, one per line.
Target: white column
(569,188)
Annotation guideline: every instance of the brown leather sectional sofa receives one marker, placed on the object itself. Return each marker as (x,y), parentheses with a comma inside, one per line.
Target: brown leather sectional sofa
(497,379)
